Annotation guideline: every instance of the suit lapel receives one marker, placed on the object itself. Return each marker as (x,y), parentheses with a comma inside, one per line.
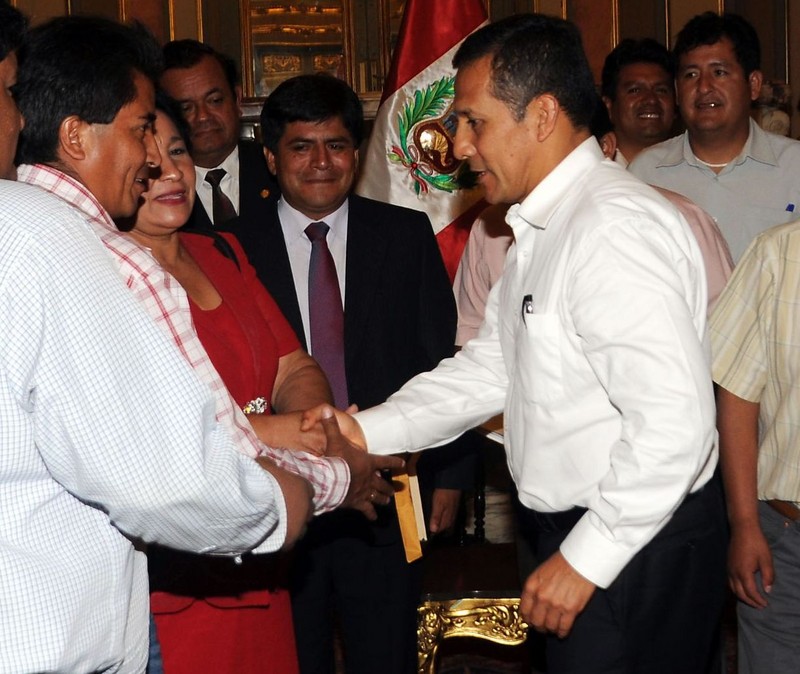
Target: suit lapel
(255,182)
(274,259)
(365,253)
(199,218)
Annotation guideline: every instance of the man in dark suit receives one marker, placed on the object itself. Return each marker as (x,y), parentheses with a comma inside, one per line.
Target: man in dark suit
(399,319)
(205,84)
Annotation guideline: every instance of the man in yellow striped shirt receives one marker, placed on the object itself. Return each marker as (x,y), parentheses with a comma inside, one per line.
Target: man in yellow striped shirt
(755,332)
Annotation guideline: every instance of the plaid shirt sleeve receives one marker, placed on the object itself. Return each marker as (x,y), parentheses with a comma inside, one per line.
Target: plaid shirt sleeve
(330,476)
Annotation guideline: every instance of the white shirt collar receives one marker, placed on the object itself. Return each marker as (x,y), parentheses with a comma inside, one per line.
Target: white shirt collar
(229,184)
(294,222)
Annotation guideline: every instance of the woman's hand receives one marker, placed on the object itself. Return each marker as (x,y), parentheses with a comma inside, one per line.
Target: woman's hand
(283,431)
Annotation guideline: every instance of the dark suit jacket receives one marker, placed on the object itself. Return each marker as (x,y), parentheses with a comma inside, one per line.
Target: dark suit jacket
(400,313)
(256,185)
(399,308)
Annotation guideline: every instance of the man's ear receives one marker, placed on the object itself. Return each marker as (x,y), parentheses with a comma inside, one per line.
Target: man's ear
(237,92)
(543,112)
(755,80)
(608,103)
(270,157)
(608,144)
(73,138)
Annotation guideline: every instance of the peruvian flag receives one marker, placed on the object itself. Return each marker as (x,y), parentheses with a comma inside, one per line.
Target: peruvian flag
(410,160)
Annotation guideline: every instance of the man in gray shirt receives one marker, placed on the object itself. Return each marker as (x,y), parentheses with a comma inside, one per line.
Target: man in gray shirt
(744,177)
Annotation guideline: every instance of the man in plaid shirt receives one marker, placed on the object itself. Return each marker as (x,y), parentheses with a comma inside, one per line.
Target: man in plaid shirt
(107,434)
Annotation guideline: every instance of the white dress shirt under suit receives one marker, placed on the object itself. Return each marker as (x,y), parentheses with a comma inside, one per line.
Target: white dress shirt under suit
(229,183)
(298,246)
(595,344)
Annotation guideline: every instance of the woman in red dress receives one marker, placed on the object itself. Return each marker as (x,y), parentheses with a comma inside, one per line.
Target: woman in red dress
(217,614)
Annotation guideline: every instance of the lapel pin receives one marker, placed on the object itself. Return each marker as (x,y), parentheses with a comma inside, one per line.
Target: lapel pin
(264,193)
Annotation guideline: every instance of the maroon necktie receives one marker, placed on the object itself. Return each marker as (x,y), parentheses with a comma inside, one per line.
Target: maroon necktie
(221,205)
(325,313)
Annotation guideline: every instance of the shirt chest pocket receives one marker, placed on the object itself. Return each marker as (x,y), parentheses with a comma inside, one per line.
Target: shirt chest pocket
(539,359)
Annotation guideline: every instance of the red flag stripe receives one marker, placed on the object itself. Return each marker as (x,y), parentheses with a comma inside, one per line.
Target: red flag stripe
(428,30)
(453,238)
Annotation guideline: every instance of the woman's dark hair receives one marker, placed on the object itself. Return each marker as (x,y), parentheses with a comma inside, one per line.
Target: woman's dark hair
(169,106)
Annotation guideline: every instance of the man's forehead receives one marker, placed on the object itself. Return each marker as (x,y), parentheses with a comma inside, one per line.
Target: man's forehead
(639,69)
(201,79)
(473,78)
(720,52)
(324,129)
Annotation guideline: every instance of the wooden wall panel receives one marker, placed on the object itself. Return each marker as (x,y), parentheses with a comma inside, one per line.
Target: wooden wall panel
(152,13)
(642,19)
(551,7)
(596,20)
(110,9)
(185,19)
(221,28)
(680,11)
(41,10)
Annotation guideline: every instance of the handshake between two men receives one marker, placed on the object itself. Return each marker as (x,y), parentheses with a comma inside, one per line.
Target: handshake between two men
(367,487)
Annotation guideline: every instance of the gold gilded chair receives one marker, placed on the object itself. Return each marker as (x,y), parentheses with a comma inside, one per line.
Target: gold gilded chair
(471,588)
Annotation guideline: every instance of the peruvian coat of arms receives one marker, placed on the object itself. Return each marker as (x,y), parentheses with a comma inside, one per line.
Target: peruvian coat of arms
(426,127)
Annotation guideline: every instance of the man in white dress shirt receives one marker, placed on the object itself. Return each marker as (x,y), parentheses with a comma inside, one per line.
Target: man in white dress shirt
(595,347)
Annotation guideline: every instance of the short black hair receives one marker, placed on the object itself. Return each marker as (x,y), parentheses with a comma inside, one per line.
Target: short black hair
(188,53)
(631,51)
(601,123)
(13,28)
(170,107)
(310,98)
(709,28)
(77,65)
(534,54)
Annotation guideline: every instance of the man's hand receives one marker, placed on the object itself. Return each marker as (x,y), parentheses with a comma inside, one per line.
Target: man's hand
(444,508)
(749,554)
(283,431)
(297,495)
(367,487)
(347,426)
(554,595)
